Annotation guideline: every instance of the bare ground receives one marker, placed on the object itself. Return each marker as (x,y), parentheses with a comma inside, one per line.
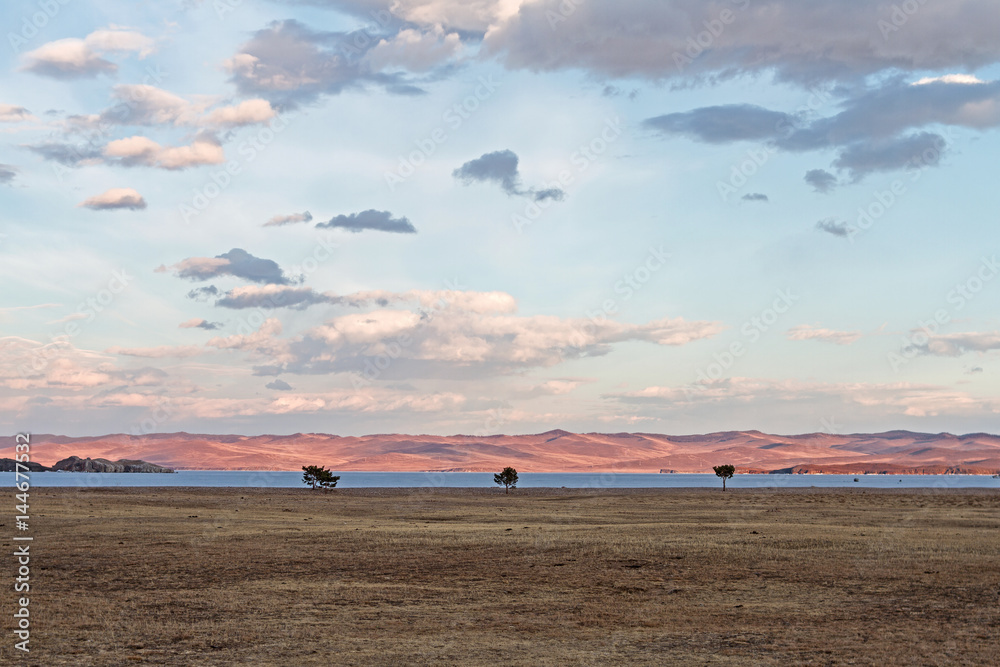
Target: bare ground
(539,577)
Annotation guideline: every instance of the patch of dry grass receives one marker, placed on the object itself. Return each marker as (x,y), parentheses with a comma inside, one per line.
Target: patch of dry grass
(539,577)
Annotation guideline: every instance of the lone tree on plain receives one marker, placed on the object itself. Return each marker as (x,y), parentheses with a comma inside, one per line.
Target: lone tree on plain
(507,477)
(725,472)
(319,477)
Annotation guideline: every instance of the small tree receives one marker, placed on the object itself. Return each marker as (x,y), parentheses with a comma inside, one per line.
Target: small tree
(725,472)
(319,477)
(507,477)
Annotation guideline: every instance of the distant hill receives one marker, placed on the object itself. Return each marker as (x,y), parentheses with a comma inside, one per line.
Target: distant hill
(553,451)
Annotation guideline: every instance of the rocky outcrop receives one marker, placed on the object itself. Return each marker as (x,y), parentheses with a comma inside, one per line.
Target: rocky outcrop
(76,464)
(8,465)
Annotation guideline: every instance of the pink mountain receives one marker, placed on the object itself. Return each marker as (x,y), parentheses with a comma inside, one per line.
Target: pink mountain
(553,451)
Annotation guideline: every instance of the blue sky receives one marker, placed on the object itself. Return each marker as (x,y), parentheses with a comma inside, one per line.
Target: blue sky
(521,216)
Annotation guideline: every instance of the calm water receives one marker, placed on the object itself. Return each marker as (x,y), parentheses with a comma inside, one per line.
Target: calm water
(262,479)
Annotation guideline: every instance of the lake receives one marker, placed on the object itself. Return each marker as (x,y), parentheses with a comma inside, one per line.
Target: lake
(288,479)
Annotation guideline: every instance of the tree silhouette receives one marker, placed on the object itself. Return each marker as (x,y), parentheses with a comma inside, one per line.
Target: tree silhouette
(319,477)
(725,472)
(507,477)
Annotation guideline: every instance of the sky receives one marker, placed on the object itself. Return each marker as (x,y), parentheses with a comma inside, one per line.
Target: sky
(499,216)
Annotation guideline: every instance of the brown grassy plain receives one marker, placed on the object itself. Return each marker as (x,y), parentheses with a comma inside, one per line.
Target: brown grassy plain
(539,577)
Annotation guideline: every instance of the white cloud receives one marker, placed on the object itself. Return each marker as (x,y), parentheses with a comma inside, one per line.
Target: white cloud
(81,58)
(13,114)
(247,112)
(138,150)
(415,50)
(60,366)
(963,79)
(891,399)
(451,329)
(160,352)
(142,104)
(957,344)
(120,39)
(808,332)
(115,198)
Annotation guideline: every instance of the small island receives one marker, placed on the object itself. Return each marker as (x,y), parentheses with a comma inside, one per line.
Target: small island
(77,464)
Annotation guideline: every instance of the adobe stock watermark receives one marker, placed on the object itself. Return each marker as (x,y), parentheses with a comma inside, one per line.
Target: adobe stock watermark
(87,310)
(91,147)
(742,171)
(31,25)
(699,43)
(22,540)
(376,364)
(581,159)
(627,287)
(249,150)
(958,297)
(495,419)
(321,252)
(751,331)
(162,411)
(566,9)
(453,118)
(899,16)
(883,200)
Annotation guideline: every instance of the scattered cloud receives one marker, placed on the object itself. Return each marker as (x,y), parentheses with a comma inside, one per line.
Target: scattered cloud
(290,219)
(146,105)
(66,368)
(7,173)
(501,168)
(274,296)
(457,335)
(142,151)
(14,309)
(67,154)
(82,58)
(949,78)
(199,323)
(957,344)
(160,352)
(831,226)
(12,114)
(415,50)
(895,399)
(247,112)
(371,219)
(72,317)
(237,262)
(860,159)
(876,129)
(821,180)
(789,38)
(203,293)
(289,63)
(755,196)
(115,198)
(615,91)
(278,385)
(723,124)
(808,332)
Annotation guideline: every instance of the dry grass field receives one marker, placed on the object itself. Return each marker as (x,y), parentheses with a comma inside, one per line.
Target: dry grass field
(539,577)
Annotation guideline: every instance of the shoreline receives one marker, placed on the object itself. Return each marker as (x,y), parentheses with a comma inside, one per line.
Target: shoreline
(545,472)
(540,491)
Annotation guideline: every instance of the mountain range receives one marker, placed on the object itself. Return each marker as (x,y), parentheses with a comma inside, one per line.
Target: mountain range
(892,452)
